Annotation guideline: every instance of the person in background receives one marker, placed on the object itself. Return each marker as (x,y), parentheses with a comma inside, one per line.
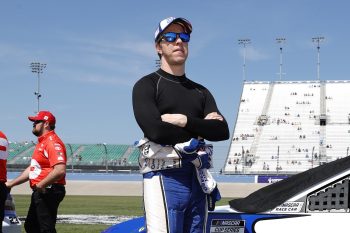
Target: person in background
(46,174)
(4,152)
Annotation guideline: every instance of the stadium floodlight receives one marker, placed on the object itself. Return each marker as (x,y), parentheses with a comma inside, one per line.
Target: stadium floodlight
(317,41)
(38,68)
(281,41)
(244,42)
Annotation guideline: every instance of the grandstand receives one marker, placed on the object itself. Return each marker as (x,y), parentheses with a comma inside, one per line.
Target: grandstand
(81,157)
(282,127)
(18,152)
(285,127)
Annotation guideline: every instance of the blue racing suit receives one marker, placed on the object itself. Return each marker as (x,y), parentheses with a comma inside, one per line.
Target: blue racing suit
(181,206)
(174,199)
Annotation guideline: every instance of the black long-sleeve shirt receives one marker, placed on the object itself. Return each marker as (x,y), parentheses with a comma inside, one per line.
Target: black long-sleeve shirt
(159,93)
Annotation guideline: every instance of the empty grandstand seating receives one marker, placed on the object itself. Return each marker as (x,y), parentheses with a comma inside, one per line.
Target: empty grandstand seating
(72,149)
(288,127)
(98,154)
(20,152)
(16,148)
(81,154)
(133,158)
(91,154)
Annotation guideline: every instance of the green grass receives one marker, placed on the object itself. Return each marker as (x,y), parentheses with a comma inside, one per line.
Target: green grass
(94,205)
(77,228)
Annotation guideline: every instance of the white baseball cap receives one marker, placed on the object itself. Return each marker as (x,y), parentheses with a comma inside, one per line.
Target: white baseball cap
(167,22)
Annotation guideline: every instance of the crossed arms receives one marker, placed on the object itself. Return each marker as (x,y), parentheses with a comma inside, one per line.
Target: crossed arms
(177,125)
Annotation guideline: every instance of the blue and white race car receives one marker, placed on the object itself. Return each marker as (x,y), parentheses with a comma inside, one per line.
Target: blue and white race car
(316,200)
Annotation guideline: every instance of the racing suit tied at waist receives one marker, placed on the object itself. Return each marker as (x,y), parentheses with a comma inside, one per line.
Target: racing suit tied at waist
(155,157)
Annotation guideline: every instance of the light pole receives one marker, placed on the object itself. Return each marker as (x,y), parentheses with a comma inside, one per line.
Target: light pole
(312,157)
(281,41)
(72,156)
(243,160)
(38,67)
(317,41)
(278,159)
(106,154)
(244,42)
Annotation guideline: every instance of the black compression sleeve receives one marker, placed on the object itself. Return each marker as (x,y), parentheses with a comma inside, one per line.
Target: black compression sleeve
(212,130)
(149,119)
(162,93)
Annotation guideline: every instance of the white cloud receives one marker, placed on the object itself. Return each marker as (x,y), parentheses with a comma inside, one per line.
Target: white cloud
(118,61)
(13,53)
(253,54)
(117,46)
(145,49)
(106,80)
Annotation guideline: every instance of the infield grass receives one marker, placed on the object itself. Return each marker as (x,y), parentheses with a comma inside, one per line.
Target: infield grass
(92,205)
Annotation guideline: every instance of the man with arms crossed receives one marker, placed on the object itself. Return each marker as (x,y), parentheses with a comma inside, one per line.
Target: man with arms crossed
(171,109)
(46,174)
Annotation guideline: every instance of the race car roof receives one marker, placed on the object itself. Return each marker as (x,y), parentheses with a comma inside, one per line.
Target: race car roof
(271,196)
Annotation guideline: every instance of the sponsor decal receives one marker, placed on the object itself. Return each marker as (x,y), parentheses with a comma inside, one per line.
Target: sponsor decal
(288,207)
(270,179)
(227,225)
(60,158)
(2,148)
(46,154)
(35,169)
(145,150)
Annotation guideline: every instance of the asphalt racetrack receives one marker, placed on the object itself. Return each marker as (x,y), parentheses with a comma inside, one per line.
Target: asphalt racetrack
(131,185)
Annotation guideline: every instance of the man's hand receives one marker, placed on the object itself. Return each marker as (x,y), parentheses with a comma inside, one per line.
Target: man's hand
(19,179)
(214,116)
(9,184)
(59,170)
(39,188)
(175,119)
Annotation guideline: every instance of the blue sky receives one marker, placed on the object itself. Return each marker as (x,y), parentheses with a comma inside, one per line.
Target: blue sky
(96,50)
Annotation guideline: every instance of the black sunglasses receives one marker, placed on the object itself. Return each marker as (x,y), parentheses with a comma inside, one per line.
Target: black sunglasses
(37,122)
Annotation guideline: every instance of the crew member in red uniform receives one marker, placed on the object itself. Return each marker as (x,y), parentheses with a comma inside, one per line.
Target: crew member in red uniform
(4,146)
(46,174)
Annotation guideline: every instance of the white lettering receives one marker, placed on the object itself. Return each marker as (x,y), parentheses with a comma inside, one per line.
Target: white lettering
(230,223)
